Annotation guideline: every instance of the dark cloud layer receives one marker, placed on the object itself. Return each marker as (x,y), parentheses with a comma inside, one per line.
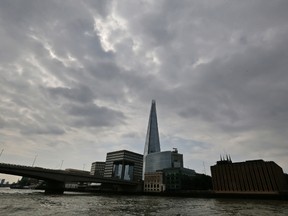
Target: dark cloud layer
(83,74)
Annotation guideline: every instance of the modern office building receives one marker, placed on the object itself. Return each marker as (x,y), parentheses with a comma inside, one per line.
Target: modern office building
(255,176)
(152,143)
(97,169)
(125,165)
(162,160)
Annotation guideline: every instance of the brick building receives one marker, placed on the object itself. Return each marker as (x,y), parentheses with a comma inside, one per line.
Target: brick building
(255,176)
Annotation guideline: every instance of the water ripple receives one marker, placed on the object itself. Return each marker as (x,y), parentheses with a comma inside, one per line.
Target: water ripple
(16,203)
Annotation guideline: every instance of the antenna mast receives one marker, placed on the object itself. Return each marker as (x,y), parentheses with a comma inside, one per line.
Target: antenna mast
(34,160)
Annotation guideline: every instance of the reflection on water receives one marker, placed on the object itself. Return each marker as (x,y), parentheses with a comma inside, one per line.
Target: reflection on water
(29,202)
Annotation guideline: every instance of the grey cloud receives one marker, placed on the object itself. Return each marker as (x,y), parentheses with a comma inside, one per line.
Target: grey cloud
(91,115)
(131,135)
(2,122)
(81,94)
(100,7)
(217,67)
(105,70)
(251,84)
(193,145)
(42,130)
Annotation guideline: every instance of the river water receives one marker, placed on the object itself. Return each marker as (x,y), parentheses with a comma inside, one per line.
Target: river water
(29,202)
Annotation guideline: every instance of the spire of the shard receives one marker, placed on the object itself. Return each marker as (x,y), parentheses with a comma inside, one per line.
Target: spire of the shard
(152,143)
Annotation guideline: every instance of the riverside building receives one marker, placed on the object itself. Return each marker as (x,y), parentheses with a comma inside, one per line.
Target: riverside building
(255,176)
(124,165)
(154,182)
(163,160)
(97,169)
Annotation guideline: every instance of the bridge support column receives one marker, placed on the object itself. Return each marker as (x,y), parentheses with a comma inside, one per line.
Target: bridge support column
(54,187)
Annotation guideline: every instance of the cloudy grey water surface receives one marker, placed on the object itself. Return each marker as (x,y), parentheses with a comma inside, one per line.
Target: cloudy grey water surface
(28,202)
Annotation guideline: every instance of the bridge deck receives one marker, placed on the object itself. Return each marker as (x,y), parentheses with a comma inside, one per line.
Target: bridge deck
(57,175)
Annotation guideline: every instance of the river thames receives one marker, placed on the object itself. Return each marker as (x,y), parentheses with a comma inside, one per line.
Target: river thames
(30,202)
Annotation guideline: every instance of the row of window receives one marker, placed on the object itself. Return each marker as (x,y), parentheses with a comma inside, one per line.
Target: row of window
(151,186)
(150,190)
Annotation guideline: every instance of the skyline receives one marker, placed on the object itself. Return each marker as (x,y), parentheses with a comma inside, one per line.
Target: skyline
(77,80)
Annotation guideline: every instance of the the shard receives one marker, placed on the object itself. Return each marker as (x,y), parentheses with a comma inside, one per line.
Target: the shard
(152,143)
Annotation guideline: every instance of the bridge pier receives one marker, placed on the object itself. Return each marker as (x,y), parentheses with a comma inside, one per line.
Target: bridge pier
(54,187)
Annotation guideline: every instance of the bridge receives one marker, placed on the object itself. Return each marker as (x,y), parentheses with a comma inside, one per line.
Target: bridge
(56,179)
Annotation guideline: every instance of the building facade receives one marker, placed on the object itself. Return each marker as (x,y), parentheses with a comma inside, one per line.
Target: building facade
(163,160)
(171,179)
(125,165)
(176,178)
(256,176)
(97,169)
(154,182)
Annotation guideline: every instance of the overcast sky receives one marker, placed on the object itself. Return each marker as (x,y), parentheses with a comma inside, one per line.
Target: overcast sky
(77,79)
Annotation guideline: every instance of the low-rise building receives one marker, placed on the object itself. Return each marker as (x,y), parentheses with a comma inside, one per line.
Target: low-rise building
(177,178)
(153,182)
(255,176)
(170,179)
(97,169)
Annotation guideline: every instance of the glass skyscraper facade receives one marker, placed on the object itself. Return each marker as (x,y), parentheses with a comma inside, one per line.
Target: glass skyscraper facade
(163,160)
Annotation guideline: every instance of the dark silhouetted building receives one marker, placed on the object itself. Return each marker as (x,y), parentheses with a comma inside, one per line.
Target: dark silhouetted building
(125,165)
(175,179)
(97,169)
(255,176)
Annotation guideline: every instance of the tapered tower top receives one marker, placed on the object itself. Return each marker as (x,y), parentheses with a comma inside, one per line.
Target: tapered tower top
(152,143)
